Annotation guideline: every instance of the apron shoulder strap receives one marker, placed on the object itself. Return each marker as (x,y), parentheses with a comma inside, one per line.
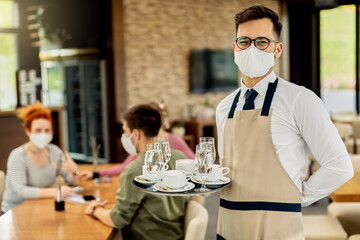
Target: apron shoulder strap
(267,102)
(233,106)
(268,98)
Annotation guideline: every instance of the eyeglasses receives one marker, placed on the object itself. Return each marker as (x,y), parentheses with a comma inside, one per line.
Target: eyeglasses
(260,43)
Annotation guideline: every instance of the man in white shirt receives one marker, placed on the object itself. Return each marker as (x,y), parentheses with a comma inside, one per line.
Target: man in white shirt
(267,129)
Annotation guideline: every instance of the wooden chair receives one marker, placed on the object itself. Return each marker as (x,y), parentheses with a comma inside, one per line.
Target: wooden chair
(323,227)
(354,142)
(334,115)
(344,130)
(199,199)
(348,214)
(355,159)
(196,220)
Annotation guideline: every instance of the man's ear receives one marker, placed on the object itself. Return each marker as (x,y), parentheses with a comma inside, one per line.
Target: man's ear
(279,49)
(137,134)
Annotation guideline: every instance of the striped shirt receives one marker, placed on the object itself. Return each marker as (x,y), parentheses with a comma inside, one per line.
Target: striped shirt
(24,179)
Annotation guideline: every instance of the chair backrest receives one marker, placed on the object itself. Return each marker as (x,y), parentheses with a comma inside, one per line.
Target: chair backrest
(196,220)
(343,113)
(199,199)
(355,159)
(344,130)
(356,129)
(2,185)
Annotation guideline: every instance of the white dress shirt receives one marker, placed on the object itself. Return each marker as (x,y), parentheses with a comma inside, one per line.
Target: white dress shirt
(300,125)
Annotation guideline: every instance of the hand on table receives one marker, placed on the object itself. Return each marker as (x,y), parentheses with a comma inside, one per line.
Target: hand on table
(93,204)
(84,175)
(66,191)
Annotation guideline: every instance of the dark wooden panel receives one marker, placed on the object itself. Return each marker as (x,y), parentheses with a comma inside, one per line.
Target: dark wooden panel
(12,135)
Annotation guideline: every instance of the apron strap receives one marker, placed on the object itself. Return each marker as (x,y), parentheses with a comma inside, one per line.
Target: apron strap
(219,237)
(267,102)
(233,106)
(268,98)
(265,206)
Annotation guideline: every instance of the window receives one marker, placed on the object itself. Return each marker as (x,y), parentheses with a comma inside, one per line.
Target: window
(338,58)
(8,54)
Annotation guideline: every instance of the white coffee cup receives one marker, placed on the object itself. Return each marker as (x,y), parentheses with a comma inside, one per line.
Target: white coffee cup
(216,173)
(147,175)
(174,178)
(188,165)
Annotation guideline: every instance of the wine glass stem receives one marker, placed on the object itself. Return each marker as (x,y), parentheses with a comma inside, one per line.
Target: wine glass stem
(203,178)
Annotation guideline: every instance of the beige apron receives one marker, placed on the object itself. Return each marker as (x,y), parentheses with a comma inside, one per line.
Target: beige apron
(262,201)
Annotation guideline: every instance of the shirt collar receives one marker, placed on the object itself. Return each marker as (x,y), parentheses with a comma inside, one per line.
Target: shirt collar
(261,87)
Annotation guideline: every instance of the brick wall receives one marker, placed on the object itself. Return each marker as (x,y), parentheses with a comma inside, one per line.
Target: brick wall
(159,35)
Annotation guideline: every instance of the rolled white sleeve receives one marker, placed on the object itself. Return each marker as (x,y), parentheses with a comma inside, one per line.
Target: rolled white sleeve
(323,139)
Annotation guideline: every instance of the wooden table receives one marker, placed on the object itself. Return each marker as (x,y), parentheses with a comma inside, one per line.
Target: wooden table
(37,219)
(349,192)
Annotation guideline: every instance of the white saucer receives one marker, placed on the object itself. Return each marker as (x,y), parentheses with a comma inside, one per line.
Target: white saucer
(162,188)
(143,180)
(224,180)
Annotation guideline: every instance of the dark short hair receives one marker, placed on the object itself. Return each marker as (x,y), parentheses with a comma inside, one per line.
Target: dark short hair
(145,118)
(257,12)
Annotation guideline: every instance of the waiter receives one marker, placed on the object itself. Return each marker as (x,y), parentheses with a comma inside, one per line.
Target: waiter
(267,129)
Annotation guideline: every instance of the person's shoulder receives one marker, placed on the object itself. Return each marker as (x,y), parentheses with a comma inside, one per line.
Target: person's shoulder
(175,140)
(289,86)
(17,152)
(293,93)
(173,137)
(17,157)
(226,102)
(296,91)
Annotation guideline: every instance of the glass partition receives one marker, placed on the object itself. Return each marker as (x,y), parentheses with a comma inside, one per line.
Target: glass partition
(337,58)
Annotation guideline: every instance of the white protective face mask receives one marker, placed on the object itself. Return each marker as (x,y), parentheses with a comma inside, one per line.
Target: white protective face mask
(41,140)
(128,145)
(253,62)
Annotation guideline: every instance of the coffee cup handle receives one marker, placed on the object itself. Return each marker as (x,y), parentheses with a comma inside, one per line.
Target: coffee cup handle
(188,176)
(227,170)
(166,167)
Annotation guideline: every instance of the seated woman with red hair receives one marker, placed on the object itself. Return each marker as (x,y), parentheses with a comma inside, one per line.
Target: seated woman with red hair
(31,167)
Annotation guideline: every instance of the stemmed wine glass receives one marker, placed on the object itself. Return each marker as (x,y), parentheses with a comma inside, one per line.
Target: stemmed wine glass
(165,148)
(209,141)
(153,160)
(203,162)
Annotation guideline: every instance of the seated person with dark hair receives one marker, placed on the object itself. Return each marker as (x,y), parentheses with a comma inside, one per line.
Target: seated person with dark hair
(138,214)
(174,141)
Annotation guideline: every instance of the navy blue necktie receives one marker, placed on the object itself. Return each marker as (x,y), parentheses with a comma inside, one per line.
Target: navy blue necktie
(250,95)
